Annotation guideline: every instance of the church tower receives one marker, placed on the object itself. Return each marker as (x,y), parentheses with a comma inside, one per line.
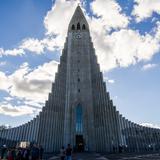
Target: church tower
(79,110)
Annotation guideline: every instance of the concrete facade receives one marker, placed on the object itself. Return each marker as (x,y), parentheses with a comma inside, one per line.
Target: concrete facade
(79,110)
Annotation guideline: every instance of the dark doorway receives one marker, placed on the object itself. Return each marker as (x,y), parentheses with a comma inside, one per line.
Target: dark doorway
(79,143)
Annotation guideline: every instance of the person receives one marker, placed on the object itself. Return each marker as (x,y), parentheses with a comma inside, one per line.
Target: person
(13,153)
(62,153)
(41,150)
(3,151)
(18,154)
(10,155)
(34,152)
(26,153)
(69,152)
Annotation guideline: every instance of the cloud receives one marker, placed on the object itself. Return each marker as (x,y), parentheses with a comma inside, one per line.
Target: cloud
(111,16)
(145,8)
(56,26)
(52,21)
(124,47)
(28,86)
(151,125)
(149,66)
(8,109)
(28,83)
(111,81)
(4,82)
(13,52)
(120,48)
(32,45)
(8,98)
(3,63)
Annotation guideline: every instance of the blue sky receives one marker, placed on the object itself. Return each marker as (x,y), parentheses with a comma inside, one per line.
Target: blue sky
(126,36)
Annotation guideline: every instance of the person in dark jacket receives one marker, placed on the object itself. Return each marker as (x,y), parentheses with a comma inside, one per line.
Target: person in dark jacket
(41,150)
(3,151)
(34,152)
(69,152)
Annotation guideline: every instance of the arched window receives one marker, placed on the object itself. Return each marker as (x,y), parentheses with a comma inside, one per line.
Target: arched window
(73,27)
(83,27)
(78,26)
(79,116)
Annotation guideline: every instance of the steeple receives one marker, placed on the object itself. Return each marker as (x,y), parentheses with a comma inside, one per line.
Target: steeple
(78,21)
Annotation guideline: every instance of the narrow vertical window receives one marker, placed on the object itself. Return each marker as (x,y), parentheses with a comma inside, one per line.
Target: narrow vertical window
(83,27)
(78,26)
(79,116)
(73,27)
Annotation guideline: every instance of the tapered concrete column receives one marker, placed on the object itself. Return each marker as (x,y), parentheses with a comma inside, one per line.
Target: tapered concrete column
(127,135)
(31,131)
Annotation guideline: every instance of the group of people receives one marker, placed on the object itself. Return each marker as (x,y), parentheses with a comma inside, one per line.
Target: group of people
(66,154)
(34,152)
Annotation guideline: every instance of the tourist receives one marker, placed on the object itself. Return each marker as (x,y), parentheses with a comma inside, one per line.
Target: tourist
(10,155)
(18,154)
(13,153)
(62,153)
(41,150)
(3,151)
(26,154)
(69,152)
(34,152)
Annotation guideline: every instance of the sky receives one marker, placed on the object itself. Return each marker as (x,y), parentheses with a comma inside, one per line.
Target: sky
(126,36)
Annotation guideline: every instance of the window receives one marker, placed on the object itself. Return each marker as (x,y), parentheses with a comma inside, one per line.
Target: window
(79,117)
(78,26)
(83,27)
(79,90)
(73,27)
(78,79)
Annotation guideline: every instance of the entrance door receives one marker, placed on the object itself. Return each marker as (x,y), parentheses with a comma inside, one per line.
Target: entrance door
(79,143)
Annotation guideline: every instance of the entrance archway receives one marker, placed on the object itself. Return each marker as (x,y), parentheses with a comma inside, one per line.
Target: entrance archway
(79,143)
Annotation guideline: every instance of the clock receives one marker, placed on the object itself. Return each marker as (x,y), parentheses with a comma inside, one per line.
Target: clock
(78,36)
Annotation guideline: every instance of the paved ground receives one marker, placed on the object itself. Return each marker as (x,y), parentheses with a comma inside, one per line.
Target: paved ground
(84,156)
(87,156)
(134,157)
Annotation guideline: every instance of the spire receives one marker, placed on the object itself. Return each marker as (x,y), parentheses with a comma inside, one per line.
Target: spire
(78,18)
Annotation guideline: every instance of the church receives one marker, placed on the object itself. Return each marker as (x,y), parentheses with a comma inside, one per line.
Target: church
(79,110)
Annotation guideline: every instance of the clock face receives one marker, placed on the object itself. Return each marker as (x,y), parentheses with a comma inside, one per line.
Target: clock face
(78,36)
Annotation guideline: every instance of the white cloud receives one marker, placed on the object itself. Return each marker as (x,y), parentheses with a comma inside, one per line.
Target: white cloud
(58,26)
(8,98)
(54,22)
(3,63)
(1,52)
(149,66)
(12,52)
(157,30)
(111,81)
(27,85)
(123,48)
(4,82)
(151,125)
(145,8)
(8,109)
(33,45)
(110,14)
